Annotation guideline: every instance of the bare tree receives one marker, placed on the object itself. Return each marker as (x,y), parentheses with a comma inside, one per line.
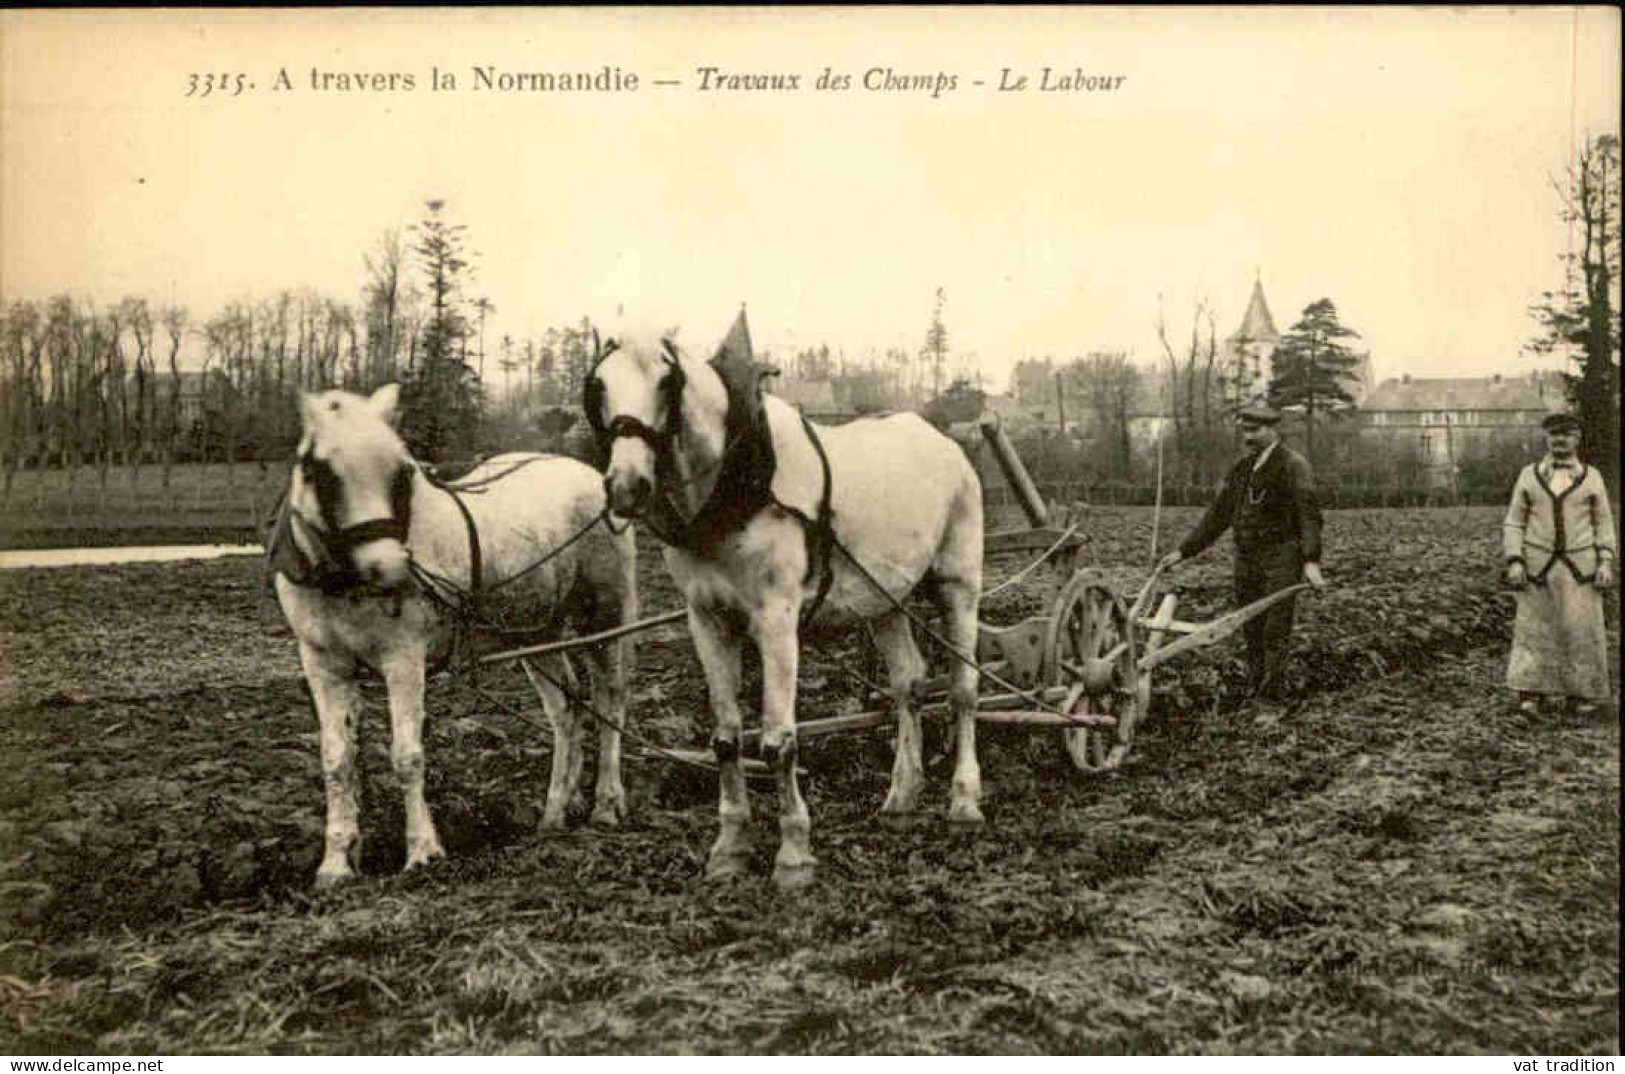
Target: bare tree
(1194,398)
(137,317)
(1582,318)
(1109,384)
(24,347)
(174,318)
(382,300)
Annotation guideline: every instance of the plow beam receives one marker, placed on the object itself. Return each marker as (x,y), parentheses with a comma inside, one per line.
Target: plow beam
(1216,631)
(990,708)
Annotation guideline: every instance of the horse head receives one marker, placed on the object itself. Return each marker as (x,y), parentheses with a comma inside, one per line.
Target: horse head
(353,484)
(634,402)
(650,405)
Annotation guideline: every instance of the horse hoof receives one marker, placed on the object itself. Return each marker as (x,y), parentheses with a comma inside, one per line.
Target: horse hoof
(726,867)
(900,820)
(328,879)
(419,858)
(609,816)
(792,877)
(966,815)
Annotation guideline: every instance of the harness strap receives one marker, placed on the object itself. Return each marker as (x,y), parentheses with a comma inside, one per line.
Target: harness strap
(377,529)
(480,485)
(475,564)
(819,534)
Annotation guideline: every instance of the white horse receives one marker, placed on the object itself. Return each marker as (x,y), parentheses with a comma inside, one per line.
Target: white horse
(741,491)
(377,566)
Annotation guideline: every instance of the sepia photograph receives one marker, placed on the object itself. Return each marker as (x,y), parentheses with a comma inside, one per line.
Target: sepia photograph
(919,531)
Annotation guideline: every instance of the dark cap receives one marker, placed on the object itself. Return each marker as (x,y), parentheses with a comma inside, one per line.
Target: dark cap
(1560,423)
(1258,412)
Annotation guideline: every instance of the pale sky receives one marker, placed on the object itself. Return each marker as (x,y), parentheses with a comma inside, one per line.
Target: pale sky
(1397,161)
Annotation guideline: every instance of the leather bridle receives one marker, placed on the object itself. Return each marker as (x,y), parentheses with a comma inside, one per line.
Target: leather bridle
(625,425)
(334,569)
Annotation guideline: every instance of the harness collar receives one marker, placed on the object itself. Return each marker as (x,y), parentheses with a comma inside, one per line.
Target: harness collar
(743,484)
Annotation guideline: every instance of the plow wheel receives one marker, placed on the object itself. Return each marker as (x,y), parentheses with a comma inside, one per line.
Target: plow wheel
(1091,650)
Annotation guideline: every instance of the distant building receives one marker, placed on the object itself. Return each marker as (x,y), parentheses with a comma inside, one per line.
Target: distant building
(1149,419)
(189,405)
(1247,351)
(1448,418)
(1020,419)
(1247,355)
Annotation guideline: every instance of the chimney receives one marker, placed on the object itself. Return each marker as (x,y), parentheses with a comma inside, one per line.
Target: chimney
(1497,378)
(1406,379)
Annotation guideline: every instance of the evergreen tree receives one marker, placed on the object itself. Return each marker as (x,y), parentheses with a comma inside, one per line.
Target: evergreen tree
(1582,317)
(935,351)
(1310,366)
(441,396)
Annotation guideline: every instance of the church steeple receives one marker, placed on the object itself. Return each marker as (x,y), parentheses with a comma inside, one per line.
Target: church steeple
(1249,348)
(1258,326)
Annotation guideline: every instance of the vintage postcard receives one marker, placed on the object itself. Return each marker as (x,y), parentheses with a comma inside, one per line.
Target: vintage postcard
(879,530)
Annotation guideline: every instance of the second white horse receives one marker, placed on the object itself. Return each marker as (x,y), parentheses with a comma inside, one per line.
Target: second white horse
(765,515)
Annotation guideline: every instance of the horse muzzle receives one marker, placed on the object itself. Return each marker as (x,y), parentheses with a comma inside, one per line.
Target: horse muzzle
(382,565)
(627,494)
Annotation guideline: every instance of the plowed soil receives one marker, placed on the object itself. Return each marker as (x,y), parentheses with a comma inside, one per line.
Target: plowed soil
(1393,862)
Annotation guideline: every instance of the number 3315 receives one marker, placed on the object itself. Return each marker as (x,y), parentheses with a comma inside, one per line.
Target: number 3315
(202,85)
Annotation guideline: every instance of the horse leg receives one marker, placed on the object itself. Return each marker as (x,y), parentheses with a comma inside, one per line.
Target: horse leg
(958,601)
(776,638)
(404,676)
(718,646)
(608,670)
(338,706)
(904,667)
(566,745)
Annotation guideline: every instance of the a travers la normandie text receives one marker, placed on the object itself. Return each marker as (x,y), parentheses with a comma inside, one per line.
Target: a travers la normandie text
(1058,78)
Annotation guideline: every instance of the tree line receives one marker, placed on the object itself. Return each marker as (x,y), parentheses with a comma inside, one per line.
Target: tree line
(138,383)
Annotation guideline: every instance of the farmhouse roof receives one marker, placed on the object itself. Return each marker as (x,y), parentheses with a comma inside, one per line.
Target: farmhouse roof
(1014,416)
(1257,326)
(1537,391)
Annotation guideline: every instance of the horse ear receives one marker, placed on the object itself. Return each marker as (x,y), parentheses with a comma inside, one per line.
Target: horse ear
(385,401)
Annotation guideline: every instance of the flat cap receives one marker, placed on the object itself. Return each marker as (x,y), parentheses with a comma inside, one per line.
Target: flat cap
(1258,412)
(1560,422)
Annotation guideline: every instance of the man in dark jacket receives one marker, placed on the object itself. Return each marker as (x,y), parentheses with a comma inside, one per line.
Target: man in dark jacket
(1269,499)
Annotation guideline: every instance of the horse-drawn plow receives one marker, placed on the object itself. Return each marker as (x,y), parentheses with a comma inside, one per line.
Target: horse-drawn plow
(1084,667)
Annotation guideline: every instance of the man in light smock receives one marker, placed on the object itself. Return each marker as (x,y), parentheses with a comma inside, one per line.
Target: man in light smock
(1560,553)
